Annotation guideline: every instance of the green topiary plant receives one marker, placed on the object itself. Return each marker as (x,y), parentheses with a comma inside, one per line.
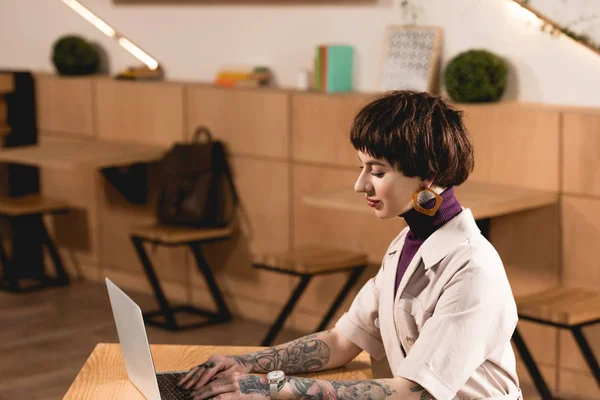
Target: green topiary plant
(476,76)
(73,55)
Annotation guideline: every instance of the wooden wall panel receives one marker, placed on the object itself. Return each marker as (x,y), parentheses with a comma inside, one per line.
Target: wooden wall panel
(65,105)
(514,145)
(7,83)
(353,231)
(118,218)
(133,284)
(140,112)
(321,127)
(581,152)
(581,235)
(251,122)
(264,226)
(77,232)
(529,245)
(3,111)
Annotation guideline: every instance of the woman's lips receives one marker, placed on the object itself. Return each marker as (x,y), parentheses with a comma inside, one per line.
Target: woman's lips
(372,203)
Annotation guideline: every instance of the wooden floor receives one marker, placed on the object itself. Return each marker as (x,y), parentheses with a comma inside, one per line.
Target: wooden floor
(45,337)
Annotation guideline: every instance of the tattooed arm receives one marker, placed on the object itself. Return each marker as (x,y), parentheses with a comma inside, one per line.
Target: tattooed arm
(316,352)
(254,387)
(379,389)
(323,350)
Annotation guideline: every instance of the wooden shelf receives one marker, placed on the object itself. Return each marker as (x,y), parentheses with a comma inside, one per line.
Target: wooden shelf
(85,153)
(484,199)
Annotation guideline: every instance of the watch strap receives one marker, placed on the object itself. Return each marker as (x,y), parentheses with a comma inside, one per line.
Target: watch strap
(274,391)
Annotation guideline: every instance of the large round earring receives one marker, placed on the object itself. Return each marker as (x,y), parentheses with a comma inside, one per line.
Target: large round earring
(427,211)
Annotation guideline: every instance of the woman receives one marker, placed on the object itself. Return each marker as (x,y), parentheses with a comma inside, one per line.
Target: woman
(440,311)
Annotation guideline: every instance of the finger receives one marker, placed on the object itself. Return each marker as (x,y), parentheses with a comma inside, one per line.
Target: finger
(210,370)
(195,377)
(187,376)
(214,389)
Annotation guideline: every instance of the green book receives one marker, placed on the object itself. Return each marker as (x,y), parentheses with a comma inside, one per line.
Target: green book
(318,68)
(340,63)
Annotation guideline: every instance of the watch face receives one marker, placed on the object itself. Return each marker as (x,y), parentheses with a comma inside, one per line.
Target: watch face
(275,375)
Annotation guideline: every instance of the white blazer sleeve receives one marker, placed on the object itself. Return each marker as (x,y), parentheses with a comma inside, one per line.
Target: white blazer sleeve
(474,315)
(360,324)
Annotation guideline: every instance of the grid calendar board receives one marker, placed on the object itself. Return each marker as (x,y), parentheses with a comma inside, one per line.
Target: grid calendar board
(410,58)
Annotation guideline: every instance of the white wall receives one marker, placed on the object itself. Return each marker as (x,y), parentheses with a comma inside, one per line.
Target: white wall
(193,42)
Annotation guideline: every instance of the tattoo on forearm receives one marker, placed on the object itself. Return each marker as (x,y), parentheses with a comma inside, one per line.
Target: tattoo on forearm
(302,355)
(252,384)
(305,388)
(423,394)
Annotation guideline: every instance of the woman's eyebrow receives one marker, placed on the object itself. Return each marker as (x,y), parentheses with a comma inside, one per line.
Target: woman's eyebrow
(375,162)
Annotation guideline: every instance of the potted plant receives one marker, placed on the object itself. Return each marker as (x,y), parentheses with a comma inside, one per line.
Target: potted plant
(476,76)
(73,55)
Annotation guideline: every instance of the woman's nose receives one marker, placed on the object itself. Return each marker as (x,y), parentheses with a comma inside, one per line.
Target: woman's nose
(360,187)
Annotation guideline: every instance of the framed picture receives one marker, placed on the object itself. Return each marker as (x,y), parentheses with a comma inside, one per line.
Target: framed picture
(410,59)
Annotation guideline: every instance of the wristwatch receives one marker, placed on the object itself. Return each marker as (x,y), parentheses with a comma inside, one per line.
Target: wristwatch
(276,381)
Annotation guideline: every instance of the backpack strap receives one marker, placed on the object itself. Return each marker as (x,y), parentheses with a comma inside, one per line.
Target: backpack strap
(202,131)
(236,199)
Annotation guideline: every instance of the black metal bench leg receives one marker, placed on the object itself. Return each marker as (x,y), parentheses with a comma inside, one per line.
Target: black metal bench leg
(285,312)
(587,352)
(531,366)
(354,275)
(223,311)
(62,278)
(165,309)
(8,280)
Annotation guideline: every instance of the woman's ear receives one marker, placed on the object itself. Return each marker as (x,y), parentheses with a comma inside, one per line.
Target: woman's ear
(426,183)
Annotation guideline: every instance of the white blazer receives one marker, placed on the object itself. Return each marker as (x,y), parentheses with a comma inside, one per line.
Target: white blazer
(449,326)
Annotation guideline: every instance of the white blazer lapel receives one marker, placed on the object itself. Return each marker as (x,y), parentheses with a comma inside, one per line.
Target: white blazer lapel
(386,306)
(410,270)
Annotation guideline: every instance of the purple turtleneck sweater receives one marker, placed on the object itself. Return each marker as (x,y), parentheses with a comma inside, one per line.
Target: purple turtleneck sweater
(422,226)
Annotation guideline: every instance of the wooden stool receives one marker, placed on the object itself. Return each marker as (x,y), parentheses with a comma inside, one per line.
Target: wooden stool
(561,307)
(307,262)
(25,217)
(178,236)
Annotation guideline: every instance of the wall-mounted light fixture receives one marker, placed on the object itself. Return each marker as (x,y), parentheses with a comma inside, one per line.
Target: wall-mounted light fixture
(151,70)
(523,8)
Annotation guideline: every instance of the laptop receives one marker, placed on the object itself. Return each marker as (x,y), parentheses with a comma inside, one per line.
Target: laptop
(136,350)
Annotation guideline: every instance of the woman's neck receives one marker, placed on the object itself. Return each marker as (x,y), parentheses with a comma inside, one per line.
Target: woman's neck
(421,225)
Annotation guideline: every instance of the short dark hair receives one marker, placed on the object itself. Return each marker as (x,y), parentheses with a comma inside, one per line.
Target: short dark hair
(417,133)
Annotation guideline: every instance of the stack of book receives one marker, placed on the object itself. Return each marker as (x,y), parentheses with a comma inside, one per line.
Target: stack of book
(243,77)
(333,68)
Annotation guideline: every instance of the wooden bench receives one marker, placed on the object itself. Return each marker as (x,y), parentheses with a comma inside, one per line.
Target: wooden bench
(25,216)
(181,236)
(565,308)
(307,262)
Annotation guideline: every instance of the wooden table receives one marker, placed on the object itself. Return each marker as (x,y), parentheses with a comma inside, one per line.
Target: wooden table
(82,153)
(484,199)
(104,376)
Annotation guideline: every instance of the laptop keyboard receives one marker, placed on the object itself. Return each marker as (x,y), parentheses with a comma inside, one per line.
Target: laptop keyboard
(167,384)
